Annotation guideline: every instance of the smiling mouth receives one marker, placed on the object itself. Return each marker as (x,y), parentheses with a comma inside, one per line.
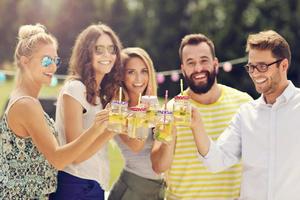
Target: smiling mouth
(260,81)
(104,62)
(48,74)
(138,84)
(200,76)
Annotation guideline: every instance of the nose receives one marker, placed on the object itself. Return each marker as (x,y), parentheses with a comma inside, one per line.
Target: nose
(53,67)
(255,73)
(138,77)
(106,53)
(198,67)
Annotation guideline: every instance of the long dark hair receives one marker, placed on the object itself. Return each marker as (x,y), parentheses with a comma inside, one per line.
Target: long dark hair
(81,64)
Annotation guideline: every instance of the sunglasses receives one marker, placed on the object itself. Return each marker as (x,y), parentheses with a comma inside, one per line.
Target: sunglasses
(47,60)
(100,49)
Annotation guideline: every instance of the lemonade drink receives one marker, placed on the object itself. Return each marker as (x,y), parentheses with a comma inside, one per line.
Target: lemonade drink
(137,123)
(152,105)
(163,128)
(117,117)
(182,111)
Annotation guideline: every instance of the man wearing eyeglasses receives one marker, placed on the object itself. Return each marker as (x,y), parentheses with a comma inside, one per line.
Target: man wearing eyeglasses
(264,134)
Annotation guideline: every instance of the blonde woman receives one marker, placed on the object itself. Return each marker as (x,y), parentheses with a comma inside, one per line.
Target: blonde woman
(137,180)
(30,155)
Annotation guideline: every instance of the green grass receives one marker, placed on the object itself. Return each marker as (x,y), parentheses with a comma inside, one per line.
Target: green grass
(116,161)
(5,89)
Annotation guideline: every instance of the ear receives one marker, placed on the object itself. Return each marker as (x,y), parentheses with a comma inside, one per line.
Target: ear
(285,64)
(182,71)
(216,64)
(24,61)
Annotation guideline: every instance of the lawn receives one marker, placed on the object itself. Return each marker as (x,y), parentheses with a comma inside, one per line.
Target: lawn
(116,161)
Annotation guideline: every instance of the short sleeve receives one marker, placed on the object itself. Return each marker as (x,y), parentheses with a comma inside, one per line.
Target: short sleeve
(77,90)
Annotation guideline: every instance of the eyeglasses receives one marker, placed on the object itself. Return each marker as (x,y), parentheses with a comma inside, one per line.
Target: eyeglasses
(47,60)
(261,67)
(100,49)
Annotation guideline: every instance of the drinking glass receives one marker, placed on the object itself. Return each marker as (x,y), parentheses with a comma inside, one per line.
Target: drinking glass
(182,111)
(152,105)
(163,127)
(137,126)
(117,116)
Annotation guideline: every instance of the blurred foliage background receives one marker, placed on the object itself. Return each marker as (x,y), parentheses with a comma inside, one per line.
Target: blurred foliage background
(158,26)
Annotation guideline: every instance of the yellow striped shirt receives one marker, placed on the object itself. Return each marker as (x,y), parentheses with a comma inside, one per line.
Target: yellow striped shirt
(188,178)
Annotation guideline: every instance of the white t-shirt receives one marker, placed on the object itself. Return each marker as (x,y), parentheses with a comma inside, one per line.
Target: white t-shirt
(97,166)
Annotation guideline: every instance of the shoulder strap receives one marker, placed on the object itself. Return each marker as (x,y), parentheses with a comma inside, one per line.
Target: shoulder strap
(13,101)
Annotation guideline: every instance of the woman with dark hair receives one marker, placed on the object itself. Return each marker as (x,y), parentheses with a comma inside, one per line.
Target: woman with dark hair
(93,82)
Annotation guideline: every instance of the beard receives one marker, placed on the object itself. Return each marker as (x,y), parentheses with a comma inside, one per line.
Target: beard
(201,88)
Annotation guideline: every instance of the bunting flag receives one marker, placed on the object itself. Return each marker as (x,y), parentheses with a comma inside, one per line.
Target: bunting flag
(160,77)
(175,74)
(2,77)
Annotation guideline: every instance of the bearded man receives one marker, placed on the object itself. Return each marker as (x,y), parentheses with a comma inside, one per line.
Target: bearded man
(187,178)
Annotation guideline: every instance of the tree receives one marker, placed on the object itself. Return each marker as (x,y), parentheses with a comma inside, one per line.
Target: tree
(8,29)
(73,17)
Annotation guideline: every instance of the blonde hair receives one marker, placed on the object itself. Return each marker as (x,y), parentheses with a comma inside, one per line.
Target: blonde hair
(132,52)
(29,37)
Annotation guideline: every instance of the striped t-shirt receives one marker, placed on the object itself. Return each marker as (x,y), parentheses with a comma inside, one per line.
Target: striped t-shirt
(188,178)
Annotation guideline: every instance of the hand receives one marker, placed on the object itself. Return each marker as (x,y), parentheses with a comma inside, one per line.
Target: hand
(126,125)
(196,119)
(123,133)
(174,135)
(101,120)
(108,107)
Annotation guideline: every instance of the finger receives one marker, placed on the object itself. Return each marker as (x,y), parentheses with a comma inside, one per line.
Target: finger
(108,106)
(195,112)
(101,117)
(102,122)
(154,130)
(102,113)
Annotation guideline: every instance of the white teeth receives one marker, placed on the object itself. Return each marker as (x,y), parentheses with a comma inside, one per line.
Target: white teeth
(138,84)
(200,76)
(104,62)
(261,80)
